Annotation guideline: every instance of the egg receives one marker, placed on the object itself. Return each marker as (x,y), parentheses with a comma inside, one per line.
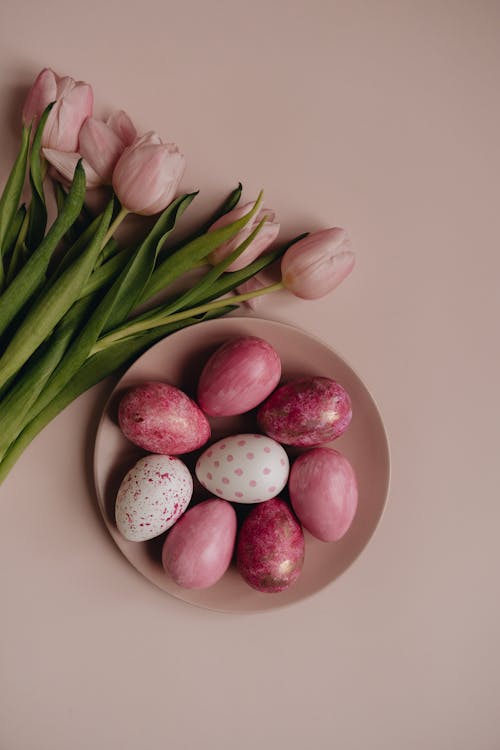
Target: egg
(152,496)
(161,418)
(245,468)
(324,493)
(270,549)
(238,377)
(199,547)
(306,412)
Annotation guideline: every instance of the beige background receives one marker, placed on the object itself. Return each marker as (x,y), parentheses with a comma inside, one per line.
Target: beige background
(382,117)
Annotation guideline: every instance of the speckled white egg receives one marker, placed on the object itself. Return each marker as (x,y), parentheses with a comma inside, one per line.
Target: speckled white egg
(152,496)
(244,468)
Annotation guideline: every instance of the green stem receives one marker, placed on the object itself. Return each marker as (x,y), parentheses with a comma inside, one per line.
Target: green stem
(150,323)
(115,224)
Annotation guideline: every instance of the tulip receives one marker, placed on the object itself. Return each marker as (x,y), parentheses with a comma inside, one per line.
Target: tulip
(147,175)
(260,280)
(262,241)
(73,104)
(317,264)
(100,145)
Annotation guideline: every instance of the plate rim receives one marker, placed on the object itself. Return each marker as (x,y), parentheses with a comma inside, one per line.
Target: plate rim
(318,340)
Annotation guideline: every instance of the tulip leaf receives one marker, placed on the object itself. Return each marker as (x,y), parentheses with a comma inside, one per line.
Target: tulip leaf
(192,295)
(13,233)
(108,271)
(9,199)
(32,275)
(227,205)
(189,255)
(16,405)
(38,211)
(51,305)
(71,255)
(231,202)
(229,281)
(19,250)
(118,300)
(95,369)
(139,269)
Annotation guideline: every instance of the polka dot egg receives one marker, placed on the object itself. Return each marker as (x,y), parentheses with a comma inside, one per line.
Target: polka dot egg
(244,468)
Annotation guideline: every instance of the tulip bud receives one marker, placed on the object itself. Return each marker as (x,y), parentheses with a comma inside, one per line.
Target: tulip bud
(317,264)
(73,104)
(255,283)
(40,95)
(147,175)
(121,124)
(262,241)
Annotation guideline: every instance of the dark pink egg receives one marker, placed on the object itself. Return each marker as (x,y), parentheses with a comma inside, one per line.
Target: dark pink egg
(270,548)
(238,377)
(198,550)
(162,419)
(305,412)
(324,493)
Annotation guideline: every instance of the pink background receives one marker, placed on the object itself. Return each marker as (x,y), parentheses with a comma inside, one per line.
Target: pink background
(382,117)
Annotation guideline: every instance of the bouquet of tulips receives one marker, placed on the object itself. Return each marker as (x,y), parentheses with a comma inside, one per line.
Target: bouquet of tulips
(69,291)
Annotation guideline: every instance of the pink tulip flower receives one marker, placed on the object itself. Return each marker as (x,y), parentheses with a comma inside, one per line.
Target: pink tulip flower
(266,236)
(100,145)
(262,241)
(148,174)
(73,104)
(314,266)
(261,280)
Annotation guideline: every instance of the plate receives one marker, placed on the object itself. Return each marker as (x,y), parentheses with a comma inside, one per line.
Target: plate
(179,359)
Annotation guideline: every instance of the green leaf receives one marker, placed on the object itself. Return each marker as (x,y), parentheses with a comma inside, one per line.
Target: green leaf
(138,272)
(108,271)
(93,371)
(18,253)
(38,212)
(229,281)
(9,200)
(77,247)
(52,305)
(32,275)
(227,205)
(118,300)
(212,285)
(13,233)
(197,291)
(21,397)
(189,255)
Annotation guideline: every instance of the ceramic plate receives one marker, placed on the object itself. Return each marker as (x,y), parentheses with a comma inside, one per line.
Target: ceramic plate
(179,360)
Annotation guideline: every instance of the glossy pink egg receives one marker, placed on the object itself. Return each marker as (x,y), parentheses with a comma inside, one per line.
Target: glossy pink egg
(270,548)
(305,412)
(324,493)
(162,419)
(238,377)
(198,549)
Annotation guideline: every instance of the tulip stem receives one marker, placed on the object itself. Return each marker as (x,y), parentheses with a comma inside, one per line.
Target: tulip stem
(114,225)
(150,323)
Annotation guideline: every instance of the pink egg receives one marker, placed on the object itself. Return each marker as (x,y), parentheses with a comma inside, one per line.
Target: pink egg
(247,468)
(198,549)
(162,419)
(238,377)
(270,549)
(152,496)
(324,493)
(306,412)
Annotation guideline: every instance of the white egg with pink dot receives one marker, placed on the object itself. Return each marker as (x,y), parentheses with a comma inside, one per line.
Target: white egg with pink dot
(247,468)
